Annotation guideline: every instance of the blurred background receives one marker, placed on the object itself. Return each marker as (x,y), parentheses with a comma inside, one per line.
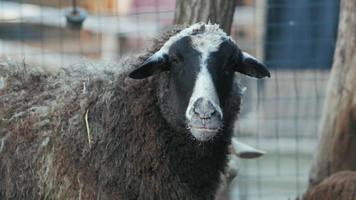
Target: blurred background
(296,40)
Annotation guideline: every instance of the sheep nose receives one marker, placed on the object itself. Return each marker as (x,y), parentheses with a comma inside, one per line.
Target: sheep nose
(204,109)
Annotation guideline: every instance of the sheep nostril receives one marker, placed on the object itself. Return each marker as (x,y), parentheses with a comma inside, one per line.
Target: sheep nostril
(204,110)
(195,111)
(212,113)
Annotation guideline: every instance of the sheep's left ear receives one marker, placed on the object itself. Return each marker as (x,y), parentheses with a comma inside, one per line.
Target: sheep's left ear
(250,66)
(155,63)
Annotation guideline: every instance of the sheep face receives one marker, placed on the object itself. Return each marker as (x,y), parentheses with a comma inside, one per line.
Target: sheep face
(201,61)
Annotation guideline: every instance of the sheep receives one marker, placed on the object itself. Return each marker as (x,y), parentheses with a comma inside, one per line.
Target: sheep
(339,186)
(155,126)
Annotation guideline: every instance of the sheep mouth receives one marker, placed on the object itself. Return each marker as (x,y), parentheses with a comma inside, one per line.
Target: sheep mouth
(205,126)
(205,129)
(203,133)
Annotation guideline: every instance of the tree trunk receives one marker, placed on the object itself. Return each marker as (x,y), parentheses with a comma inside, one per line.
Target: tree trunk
(337,133)
(215,11)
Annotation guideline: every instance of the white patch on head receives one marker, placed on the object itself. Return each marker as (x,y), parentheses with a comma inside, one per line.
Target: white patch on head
(206,43)
(210,29)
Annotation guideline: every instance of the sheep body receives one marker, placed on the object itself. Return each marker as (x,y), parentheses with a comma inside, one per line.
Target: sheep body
(135,154)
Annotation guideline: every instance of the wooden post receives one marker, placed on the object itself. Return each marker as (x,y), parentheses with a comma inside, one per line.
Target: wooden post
(215,11)
(337,133)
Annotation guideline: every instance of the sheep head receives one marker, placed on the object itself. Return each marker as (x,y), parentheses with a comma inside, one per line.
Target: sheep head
(200,62)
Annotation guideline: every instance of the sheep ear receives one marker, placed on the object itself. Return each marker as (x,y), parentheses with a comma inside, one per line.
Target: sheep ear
(155,63)
(250,66)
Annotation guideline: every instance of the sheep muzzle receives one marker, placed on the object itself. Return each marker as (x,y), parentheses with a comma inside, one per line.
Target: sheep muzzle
(205,120)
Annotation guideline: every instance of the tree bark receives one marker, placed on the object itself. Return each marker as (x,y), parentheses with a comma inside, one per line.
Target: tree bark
(215,11)
(337,133)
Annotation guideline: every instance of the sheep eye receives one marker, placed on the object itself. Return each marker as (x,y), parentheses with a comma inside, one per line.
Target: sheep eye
(229,65)
(175,59)
(227,68)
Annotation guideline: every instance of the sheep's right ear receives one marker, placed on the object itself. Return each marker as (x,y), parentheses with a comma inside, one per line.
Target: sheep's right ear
(154,64)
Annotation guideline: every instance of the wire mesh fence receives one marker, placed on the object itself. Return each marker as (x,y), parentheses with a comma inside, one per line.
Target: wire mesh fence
(280,115)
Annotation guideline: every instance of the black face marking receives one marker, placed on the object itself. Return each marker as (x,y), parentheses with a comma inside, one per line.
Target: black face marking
(184,67)
(219,66)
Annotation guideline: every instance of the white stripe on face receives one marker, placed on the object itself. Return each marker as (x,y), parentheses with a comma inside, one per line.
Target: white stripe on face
(213,29)
(204,86)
